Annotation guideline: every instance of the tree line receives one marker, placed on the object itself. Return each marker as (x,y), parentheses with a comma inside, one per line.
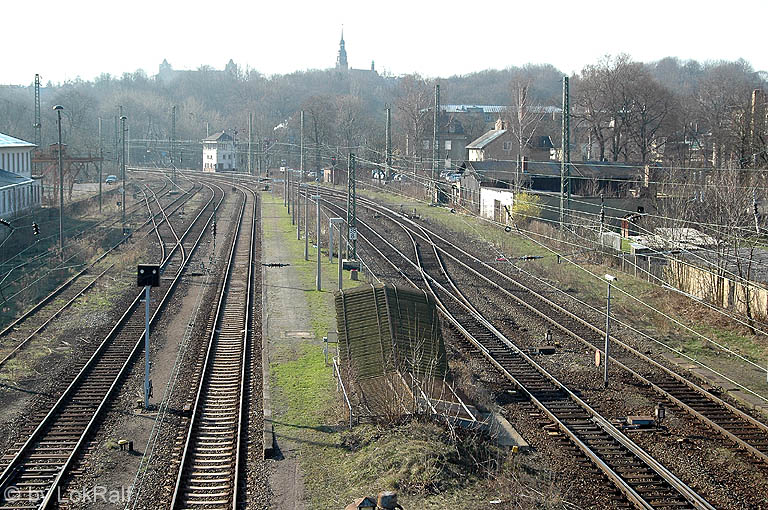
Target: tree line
(680,113)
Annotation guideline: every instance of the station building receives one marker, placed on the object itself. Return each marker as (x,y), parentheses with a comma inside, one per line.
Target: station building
(18,191)
(219,153)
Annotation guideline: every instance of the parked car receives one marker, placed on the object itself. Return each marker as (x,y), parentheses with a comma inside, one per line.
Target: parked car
(111,179)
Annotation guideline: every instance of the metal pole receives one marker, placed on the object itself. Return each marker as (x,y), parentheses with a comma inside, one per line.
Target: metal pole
(173,144)
(607,335)
(567,146)
(353,205)
(147,384)
(306,224)
(330,240)
(301,145)
(388,142)
(349,200)
(562,159)
(58,109)
(435,145)
(101,162)
(122,167)
(298,216)
(293,199)
(318,284)
(340,259)
(250,143)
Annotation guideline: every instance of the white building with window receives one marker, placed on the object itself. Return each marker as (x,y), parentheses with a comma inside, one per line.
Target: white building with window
(18,191)
(219,153)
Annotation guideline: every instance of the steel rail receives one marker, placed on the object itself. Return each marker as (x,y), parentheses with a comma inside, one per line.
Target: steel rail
(207,379)
(59,290)
(631,494)
(758,452)
(16,322)
(15,463)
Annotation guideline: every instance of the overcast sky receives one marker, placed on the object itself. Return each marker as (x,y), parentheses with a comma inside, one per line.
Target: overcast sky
(63,40)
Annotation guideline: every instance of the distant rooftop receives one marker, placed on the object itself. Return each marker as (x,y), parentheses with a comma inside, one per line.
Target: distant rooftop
(9,141)
(219,137)
(485,108)
(486,138)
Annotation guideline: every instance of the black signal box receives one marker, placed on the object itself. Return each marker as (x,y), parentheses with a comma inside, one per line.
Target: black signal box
(148,275)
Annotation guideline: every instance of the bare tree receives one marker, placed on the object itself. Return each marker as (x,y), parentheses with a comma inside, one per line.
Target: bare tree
(524,117)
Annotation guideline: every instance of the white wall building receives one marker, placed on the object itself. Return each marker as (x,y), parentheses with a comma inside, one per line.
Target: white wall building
(219,153)
(493,202)
(18,191)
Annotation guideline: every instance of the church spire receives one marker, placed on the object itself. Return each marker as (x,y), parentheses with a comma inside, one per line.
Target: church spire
(341,58)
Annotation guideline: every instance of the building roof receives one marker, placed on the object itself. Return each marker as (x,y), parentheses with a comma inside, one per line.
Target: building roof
(218,137)
(484,108)
(490,170)
(485,139)
(11,179)
(9,141)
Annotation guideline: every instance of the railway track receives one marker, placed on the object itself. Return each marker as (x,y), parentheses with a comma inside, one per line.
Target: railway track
(37,263)
(32,474)
(17,335)
(209,471)
(642,481)
(743,430)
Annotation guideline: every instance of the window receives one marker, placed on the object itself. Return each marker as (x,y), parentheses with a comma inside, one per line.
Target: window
(507,146)
(448,145)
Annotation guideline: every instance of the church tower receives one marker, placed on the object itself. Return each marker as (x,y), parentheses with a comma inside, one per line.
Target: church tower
(341,58)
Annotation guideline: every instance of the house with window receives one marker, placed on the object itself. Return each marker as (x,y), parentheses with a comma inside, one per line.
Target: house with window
(18,191)
(501,144)
(219,153)
(452,142)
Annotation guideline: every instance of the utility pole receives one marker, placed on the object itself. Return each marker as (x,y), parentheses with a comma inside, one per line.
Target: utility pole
(250,143)
(101,162)
(306,225)
(565,156)
(173,143)
(58,109)
(116,145)
(301,144)
(318,282)
(293,199)
(298,213)
(610,279)
(37,125)
(122,168)
(351,208)
(389,144)
(435,147)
